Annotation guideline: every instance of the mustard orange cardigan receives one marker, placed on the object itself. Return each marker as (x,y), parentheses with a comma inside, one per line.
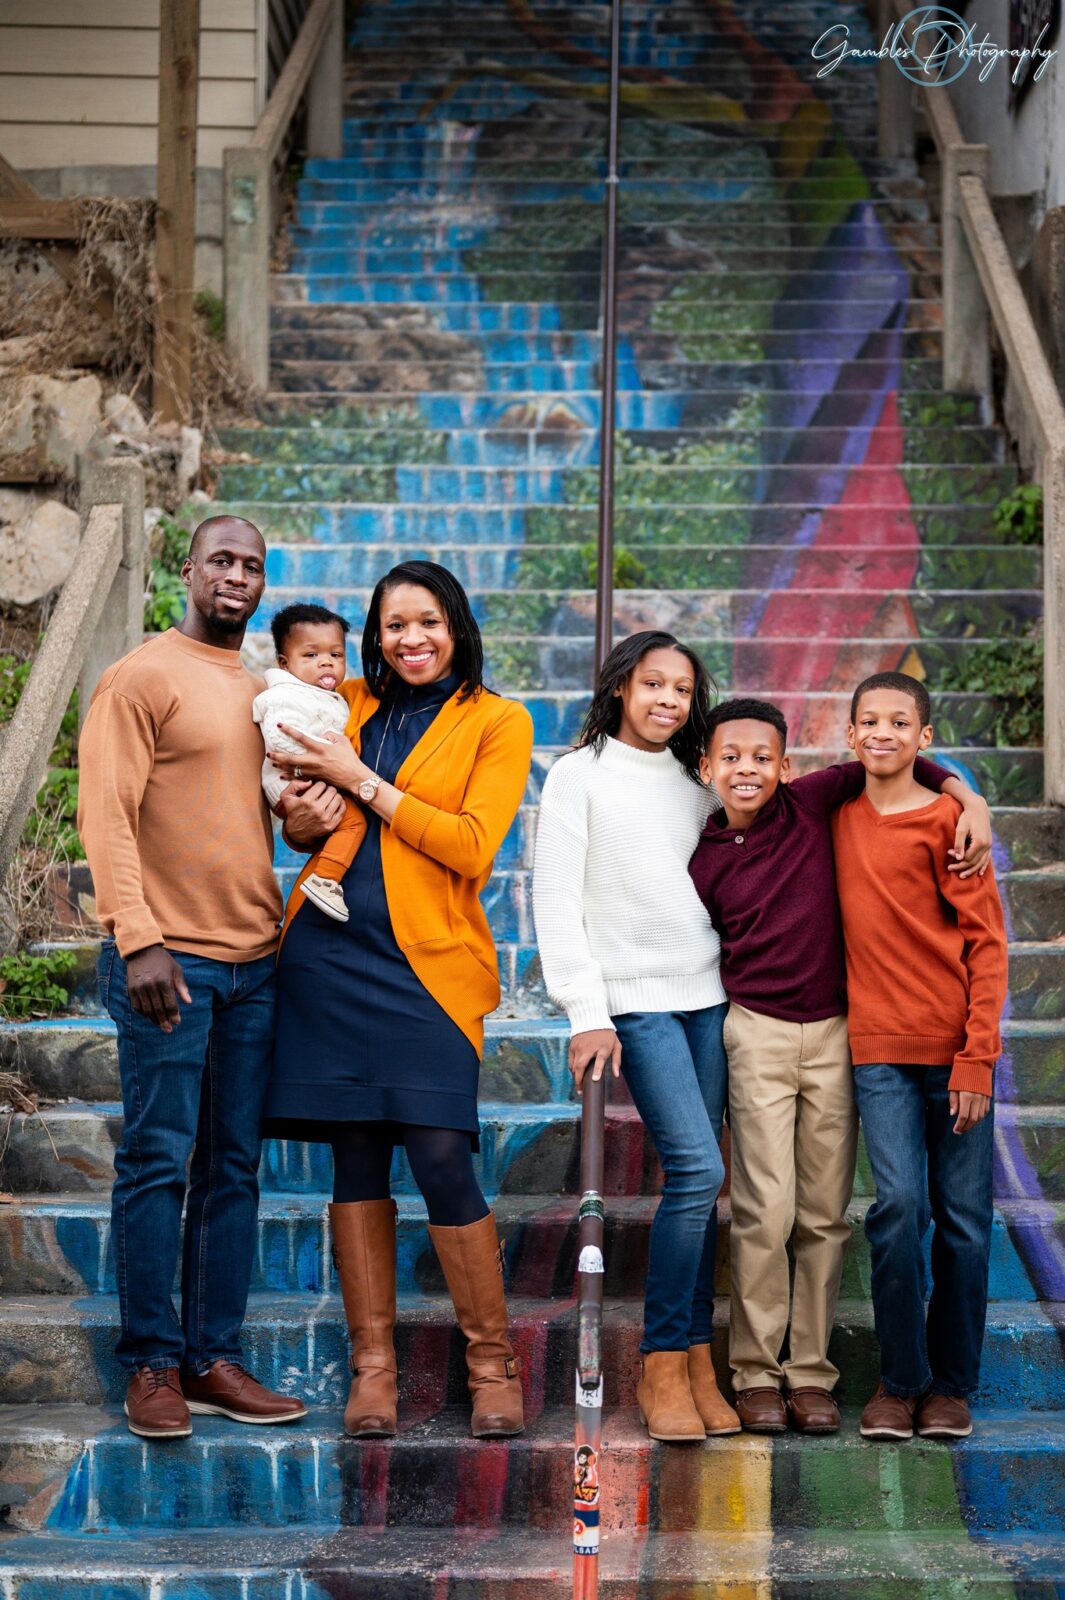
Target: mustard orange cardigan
(462,785)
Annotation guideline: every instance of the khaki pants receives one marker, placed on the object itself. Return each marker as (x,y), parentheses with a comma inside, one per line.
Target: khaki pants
(794,1135)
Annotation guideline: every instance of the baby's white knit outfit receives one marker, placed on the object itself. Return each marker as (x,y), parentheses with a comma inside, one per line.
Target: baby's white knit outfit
(619,924)
(313,711)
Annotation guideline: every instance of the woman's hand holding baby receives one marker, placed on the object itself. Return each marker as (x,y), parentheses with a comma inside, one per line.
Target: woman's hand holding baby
(331,758)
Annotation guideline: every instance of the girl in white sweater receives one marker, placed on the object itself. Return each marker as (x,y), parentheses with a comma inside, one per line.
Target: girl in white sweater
(629,954)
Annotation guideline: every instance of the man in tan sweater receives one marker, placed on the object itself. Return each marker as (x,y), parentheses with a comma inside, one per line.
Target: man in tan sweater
(178,839)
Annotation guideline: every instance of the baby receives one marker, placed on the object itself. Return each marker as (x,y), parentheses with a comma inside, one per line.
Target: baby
(301,691)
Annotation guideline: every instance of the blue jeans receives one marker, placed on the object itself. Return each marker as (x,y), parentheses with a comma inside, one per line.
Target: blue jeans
(925,1172)
(675,1067)
(196,1092)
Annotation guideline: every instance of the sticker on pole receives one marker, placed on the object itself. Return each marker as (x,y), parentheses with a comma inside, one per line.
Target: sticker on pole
(590,1398)
(590,1259)
(585,1501)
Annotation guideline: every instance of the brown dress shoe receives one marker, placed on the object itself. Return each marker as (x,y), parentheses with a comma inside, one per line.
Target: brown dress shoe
(812,1410)
(762,1410)
(156,1406)
(226,1390)
(664,1397)
(718,1416)
(944,1416)
(887,1416)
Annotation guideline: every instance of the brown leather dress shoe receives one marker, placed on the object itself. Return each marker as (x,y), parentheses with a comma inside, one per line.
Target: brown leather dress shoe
(226,1390)
(156,1406)
(887,1416)
(812,1410)
(762,1410)
(944,1416)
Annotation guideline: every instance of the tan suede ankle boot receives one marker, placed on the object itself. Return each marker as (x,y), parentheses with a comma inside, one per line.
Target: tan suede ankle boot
(665,1398)
(718,1416)
(470,1257)
(364,1249)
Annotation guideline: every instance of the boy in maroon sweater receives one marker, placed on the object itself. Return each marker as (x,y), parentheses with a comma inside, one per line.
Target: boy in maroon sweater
(764,871)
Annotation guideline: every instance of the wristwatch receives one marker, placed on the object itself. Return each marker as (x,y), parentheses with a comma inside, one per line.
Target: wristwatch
(369,787)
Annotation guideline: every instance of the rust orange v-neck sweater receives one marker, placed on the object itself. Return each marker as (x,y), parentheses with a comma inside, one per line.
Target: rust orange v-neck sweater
(926,950)
(171,809)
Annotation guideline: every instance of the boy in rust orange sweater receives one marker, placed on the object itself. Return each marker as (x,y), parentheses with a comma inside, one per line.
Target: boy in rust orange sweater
(926,978)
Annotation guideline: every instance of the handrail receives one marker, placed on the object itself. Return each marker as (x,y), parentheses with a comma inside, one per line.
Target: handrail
(604,592)
(91,615)
(315,68)
(589,1420)
(587,1454)
(292,80)
(980,287)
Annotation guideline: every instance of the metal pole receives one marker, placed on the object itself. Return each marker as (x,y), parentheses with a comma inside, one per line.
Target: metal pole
(589,1426)
(604,594)
(589,1431)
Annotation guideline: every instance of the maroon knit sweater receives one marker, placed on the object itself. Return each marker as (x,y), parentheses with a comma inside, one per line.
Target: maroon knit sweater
(770,889)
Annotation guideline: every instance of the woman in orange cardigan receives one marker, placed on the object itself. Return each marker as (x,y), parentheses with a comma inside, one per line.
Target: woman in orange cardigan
(380,1019)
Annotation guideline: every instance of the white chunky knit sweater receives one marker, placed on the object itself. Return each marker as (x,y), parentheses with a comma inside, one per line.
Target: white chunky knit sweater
(618,922)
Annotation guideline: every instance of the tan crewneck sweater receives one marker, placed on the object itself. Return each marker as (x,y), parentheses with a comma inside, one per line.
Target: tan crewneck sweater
(171,810)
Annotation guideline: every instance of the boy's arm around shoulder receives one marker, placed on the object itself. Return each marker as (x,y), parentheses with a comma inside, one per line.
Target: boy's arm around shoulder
(831,787)
(976,904)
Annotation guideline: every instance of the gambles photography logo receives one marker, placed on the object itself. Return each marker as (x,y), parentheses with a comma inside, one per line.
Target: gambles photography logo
(934,46)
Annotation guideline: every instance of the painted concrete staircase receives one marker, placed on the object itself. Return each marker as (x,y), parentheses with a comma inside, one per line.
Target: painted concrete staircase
(797,498)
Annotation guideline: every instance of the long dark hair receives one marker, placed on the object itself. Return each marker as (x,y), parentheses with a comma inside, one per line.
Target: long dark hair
(689,743)
(454,602)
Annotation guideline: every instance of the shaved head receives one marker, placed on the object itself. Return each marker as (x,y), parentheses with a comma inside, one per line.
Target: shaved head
(217,530)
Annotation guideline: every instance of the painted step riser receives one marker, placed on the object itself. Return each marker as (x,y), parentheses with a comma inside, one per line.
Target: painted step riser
(341,1578)
(466,372)
(540,529)
(553,442)
(327,222)
(710,486)
(675,568)
(522,1153)
(411,159)
(657,409)
(307,1353)
(338,243)
(829,616)
(579,316)
(430,290)
(215,1482)
(44,1252)
(566,346)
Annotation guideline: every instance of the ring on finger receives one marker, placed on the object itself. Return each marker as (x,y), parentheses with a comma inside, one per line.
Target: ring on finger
(298,772)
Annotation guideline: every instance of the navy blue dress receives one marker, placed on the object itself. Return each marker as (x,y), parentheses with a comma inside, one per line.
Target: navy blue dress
(359,1038)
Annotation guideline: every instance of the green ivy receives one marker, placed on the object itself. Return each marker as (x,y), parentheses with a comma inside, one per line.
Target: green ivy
(212,309)
(32,986)
(629,571)
(14,676)
(1019,514)
(1012,671)
(164,602)
(52,825)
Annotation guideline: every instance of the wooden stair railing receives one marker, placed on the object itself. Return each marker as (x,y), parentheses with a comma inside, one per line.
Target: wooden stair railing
(315,68)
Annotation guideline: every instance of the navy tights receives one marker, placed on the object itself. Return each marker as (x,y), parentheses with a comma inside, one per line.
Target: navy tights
(440,1159)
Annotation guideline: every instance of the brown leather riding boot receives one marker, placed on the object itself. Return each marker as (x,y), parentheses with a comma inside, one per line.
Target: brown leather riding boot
(718,1416)
(471,1259)
(364,1249)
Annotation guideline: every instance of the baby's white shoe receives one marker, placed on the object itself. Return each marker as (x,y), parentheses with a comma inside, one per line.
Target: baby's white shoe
(327,895)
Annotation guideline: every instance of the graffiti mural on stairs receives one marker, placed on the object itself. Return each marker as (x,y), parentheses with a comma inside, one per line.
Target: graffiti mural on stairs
(796,498)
